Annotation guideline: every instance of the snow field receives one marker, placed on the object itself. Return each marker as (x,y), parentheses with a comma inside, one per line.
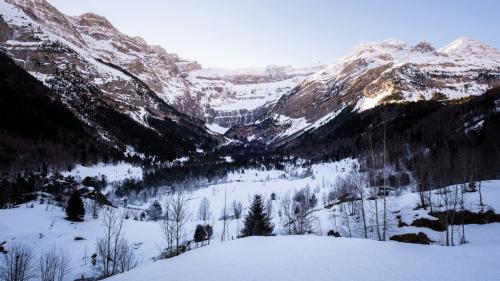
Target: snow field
(308,257)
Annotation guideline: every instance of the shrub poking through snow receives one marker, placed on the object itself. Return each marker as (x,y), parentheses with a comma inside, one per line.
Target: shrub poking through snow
(333,233)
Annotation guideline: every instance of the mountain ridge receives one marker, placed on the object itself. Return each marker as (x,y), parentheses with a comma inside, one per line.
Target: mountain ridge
(375,73)
(271,105)
(98,91)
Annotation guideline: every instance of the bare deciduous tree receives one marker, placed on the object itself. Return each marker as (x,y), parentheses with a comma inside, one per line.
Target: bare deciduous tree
(204,210)
(167,228)
(18,264)
(357,182)
(114,253)
(54,265)
(296,214)
(174,221)
(384,188)
(269,206)
(224,217)
(237,209)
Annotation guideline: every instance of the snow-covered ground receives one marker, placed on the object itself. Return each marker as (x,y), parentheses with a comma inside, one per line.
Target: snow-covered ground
(112,172)
(310,257)
(299,258)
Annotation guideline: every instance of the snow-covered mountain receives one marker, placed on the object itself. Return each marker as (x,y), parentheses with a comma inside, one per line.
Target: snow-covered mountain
(270,104)
(102,75)
(217,96)
(375,73)
(235,97)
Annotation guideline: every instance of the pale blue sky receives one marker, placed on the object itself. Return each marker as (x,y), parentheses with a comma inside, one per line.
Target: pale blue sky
(240,33)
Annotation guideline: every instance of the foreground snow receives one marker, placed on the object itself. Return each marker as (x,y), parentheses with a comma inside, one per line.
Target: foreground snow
(323,258)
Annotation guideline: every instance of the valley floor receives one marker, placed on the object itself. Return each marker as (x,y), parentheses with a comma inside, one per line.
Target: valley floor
(309,257)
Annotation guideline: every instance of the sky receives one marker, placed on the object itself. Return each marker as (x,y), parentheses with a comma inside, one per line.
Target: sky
(257,33)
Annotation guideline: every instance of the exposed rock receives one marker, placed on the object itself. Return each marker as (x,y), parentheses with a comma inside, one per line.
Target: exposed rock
(435,225)
(383,72)
(99,72)
(419,238)
(468,217)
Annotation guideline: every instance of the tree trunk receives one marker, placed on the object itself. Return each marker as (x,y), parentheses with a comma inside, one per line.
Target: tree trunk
(376,219)
(385,192)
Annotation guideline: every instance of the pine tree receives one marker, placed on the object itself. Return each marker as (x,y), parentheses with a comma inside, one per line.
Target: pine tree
(209,231)
(257,222)
(75,210)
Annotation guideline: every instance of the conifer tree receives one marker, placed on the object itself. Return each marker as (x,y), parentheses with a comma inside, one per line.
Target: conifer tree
(155,211)
(257,222)
(200,233)
(209,231)
(75,210)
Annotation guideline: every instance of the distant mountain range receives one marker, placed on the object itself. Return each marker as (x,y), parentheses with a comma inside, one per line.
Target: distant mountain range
(144,101)
(378,73)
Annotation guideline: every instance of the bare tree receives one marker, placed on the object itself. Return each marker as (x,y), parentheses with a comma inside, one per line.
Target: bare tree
(374,193)
(204,210)
(176,216)
(347,219)
(372,180)
(384,190)
(286,213)
(224,217)
(296,214)
(237,209)
(113,251)
(18,264)
(357,182)
(54,265)
(269,206)
(167,226)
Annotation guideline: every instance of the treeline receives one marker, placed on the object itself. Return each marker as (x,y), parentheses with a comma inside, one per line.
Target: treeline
(441,143)
(207,168)
(27,187)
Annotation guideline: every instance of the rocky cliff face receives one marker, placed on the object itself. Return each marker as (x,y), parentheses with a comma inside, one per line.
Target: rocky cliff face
(238,97)
(94,69)
(376,73)
(80,54)
(220,97)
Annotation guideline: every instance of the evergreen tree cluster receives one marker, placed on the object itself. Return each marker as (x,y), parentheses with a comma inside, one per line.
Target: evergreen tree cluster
(203,233)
